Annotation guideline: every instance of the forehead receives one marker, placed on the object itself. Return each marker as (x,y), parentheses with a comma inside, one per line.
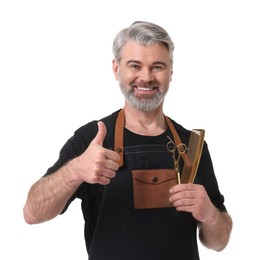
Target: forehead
(145,54)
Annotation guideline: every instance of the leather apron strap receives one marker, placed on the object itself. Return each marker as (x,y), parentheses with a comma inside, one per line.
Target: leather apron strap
(119,138)
(177,140)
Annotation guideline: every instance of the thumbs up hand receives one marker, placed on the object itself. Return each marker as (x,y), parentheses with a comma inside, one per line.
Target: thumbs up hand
(97,164)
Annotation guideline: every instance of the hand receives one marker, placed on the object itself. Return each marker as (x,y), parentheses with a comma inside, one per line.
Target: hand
(193,198)
(97,164)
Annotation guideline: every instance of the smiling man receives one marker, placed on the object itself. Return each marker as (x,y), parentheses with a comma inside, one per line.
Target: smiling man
(132,204)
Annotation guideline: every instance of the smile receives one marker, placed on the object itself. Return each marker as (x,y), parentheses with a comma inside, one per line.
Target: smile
(145,89)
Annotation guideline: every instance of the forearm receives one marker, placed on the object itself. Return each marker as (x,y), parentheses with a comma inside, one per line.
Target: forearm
(215,235)
(48,196)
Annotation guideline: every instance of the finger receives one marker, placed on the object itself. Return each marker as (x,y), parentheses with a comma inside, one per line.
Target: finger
(106,177)
(112,164)
(109,174)
(182,198)
(113,156)
(102,131)
(103,180)
(182,187)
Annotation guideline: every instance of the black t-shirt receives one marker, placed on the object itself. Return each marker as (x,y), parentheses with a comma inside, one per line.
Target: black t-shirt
(114,202)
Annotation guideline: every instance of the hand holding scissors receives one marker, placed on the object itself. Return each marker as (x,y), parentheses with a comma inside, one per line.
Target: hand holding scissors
(176,151)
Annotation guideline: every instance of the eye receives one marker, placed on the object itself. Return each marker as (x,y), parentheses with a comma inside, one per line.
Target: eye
(158,68)
(134,66)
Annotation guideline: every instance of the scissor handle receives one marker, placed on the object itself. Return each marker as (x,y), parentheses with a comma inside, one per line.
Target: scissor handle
(182,148)
(171,146)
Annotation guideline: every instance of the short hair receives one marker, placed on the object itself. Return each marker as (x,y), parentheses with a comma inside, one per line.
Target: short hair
(144,33)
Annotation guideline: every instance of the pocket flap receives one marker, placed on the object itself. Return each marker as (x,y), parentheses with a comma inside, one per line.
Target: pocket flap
(154,176)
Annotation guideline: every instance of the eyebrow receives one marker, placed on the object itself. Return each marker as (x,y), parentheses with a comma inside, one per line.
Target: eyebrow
(138,62)
(132,61)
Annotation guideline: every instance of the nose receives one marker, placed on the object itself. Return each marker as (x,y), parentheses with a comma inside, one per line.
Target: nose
(146,75)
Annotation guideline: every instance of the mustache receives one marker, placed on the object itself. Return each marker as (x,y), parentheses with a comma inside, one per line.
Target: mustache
(141,83)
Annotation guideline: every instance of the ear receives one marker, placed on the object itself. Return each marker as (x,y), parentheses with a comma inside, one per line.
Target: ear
(171,72)
(115,68)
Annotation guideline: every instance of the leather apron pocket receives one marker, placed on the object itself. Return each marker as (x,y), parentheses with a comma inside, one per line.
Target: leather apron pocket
(151,187)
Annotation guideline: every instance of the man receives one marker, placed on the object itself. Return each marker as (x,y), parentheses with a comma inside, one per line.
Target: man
(108,163)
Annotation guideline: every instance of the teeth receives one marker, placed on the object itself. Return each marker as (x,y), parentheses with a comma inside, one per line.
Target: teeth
(144,89)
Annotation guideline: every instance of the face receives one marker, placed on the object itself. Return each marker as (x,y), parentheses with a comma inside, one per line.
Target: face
(144,74)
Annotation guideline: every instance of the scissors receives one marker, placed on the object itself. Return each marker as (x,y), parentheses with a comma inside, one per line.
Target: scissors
(176,151)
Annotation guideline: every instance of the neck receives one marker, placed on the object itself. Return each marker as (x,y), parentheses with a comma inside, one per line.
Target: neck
(145,123)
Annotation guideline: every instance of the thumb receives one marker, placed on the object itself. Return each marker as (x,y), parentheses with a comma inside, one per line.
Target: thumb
(102,131)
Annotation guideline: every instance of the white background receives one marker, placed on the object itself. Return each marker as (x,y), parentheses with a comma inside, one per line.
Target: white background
(56,75)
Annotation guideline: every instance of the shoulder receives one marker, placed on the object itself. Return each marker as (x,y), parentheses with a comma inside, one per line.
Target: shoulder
(81,139)
(183,132)
(88,131)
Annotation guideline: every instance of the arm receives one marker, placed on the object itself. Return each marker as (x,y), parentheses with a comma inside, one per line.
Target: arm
(48,196)
(214,226)
(215,234)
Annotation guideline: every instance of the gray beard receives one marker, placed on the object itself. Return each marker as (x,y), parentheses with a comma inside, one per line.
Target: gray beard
(143,104)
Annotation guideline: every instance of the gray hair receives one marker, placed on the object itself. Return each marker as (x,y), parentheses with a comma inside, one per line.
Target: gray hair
(144,33)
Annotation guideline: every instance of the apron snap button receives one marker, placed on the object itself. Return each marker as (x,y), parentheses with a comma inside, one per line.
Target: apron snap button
(155,179)
(119,150)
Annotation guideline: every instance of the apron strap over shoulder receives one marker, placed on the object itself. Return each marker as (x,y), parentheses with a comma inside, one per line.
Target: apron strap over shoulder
(119,137)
